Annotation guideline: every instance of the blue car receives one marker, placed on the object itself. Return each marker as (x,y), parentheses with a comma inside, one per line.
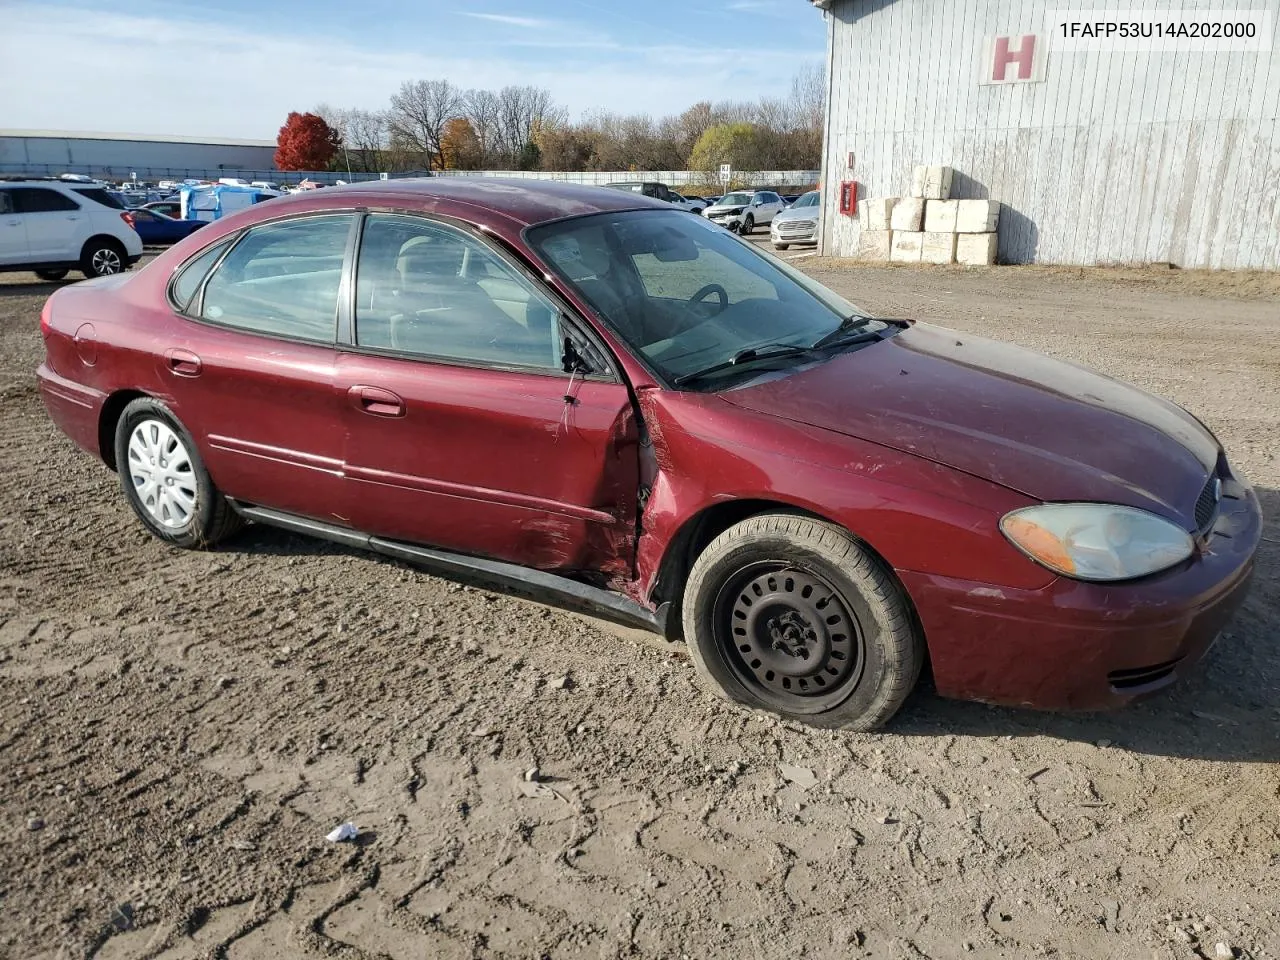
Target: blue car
(155,228)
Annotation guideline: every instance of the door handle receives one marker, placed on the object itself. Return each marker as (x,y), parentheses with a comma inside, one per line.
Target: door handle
(376,401)
(182,363)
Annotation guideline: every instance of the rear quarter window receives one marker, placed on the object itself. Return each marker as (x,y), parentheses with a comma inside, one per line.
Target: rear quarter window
(99,196)
(190,276)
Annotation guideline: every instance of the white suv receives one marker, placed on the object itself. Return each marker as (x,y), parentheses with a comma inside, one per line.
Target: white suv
(54,226)
(744,210)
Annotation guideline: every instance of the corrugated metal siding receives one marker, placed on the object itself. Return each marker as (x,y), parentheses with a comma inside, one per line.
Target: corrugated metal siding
(1115,158)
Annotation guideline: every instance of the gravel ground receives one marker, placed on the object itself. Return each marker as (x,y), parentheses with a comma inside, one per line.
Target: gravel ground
(179,731)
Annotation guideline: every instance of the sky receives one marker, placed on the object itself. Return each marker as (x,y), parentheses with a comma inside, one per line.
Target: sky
(235,68)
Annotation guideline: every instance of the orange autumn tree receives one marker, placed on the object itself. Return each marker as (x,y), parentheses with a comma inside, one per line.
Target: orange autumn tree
(460,146)
(306,142)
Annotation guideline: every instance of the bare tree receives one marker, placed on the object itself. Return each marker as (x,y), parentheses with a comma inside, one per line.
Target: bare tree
(481,108)
(419,114)
(521,112)
(809,97)
(366,139)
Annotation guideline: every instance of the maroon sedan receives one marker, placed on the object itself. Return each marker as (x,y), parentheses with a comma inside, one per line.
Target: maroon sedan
(586,396)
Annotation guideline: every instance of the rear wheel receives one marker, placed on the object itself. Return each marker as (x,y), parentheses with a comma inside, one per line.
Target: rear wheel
(102,257)
(791,615)
(165,480)
(53,276)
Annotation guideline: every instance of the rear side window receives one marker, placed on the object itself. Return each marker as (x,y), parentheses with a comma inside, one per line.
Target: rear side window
(98,195)
(188,282)
(282,279)
(42,200)
(6,202)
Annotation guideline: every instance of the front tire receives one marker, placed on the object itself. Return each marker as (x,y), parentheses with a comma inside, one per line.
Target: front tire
(52,276)
(791,615)
(166,482)
(781,246)
(748,225)
(102,257)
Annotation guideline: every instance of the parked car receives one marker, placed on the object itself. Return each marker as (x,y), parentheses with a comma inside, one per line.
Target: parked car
(266,185)
(744,210)
(55,226)
(155,228)
(658,191)
(798,223)
(584,395)
(168,208)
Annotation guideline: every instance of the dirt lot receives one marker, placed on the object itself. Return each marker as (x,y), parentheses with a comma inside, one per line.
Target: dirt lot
(178,731)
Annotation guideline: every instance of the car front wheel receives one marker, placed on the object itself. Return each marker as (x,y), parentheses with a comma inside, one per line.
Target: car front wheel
(165,480)
(747,225)
(53,276)
(781,246)
(791,615)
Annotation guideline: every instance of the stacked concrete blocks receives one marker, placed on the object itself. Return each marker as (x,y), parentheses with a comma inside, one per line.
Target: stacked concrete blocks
(928,226)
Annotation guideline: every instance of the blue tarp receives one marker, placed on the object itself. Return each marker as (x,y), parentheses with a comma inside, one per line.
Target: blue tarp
(214,201)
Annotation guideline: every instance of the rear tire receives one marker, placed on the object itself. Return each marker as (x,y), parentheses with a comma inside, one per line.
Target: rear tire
(791,615)
(166,482)
(102,257)
(53,276)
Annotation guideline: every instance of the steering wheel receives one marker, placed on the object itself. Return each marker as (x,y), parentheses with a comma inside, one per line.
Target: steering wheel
(715,288)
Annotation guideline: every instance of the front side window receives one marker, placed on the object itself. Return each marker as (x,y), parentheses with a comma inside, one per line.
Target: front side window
(685,293)
(41,200)
(282,279)
(6,202)
(428,289)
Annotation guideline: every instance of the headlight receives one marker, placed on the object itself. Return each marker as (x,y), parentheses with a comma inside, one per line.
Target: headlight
(1097,541)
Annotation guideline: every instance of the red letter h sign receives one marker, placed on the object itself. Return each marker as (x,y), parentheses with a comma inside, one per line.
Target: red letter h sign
(1024,57)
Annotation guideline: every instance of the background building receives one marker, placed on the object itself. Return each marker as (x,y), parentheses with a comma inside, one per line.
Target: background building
(116,155)
(1097,157)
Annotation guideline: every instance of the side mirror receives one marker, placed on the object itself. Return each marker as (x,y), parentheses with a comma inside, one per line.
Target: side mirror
(571,361)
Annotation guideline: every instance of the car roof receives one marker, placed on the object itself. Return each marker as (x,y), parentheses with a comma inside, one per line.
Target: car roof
(524,201)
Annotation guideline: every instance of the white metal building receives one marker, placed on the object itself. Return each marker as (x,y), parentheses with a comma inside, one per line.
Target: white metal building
(1098,156)
(116,154)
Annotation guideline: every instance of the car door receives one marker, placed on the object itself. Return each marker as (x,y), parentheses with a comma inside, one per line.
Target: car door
(251,370)
(13,231)
(463,430)
(54,222)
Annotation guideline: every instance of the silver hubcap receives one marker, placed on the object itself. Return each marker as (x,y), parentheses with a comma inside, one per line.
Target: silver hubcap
(105,261)
(160,469)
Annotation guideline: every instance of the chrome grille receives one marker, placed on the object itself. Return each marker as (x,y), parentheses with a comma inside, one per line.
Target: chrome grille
(796,226)
(1207,504)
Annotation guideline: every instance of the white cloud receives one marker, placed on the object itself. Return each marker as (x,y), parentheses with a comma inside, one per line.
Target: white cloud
(218,77)
(532,23)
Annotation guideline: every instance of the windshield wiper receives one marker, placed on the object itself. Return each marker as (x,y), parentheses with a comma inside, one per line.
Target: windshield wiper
(750,355)
(847,325)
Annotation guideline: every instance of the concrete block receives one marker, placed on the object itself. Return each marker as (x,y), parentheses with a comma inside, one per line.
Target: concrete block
(906,246)
(879,211)
(977,216)
(931,183)
(908,215)
(938,247)
(976,249)
(940,216)
(873,245)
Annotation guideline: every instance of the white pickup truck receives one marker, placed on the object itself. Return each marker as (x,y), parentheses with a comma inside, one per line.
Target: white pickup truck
(659,191)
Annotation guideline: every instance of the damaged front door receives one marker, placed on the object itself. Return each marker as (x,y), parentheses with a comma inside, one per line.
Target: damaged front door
(463,429)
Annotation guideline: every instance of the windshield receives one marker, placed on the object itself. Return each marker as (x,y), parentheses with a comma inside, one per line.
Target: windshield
(809,199)
(685,293)
(734,200)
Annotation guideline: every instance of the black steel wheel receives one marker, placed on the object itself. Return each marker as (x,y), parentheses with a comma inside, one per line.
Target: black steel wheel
(788,635)
(791,614)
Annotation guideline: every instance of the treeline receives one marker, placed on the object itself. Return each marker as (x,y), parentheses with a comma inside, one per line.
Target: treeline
(434,125)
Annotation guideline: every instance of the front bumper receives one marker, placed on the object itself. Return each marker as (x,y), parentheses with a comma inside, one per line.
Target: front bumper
(73,407)
(1088,646)
(779,233)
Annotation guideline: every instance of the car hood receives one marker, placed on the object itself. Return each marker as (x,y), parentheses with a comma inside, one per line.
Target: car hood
(1045,428)
(736,208)
(797,213)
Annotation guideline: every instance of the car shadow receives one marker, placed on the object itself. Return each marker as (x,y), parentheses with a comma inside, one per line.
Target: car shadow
(1227,708)
(35,288)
